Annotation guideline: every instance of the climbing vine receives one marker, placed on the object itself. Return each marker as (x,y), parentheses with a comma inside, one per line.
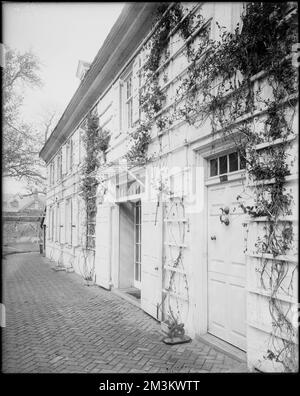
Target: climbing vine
(225,78)
(96,141)
(152,97)
(227,82)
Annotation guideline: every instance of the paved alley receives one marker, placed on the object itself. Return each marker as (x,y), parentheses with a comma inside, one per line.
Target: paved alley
(56,324)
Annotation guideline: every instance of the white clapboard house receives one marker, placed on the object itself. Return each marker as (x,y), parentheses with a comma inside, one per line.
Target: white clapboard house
(182,257)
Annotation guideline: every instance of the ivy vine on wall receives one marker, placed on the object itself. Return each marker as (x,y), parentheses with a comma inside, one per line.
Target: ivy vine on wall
(96,142)
(223,85)
(152,97)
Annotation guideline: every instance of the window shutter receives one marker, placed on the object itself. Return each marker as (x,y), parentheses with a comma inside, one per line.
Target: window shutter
(49,174)
(75,222)
(72,154)
(135,90)
(76,148)
(62,222)
(64,159)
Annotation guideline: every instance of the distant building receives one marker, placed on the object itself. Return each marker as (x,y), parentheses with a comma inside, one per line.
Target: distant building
(21,216)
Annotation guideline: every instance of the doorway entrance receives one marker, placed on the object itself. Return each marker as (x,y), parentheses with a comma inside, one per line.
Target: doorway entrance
(226,258)
(130,232)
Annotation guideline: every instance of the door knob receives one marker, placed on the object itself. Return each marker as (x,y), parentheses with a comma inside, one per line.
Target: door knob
(213,237)
(156,268)
(224,216)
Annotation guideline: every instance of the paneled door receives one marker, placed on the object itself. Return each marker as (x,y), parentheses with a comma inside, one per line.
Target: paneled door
(226,263)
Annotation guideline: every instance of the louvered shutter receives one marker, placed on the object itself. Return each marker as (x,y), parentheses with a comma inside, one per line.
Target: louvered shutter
(135,89)
(76,148)
(72,153)
(62,222)
(75,221)
(64,159)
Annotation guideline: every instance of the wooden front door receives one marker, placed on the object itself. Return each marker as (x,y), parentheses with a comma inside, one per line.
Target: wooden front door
(226,264)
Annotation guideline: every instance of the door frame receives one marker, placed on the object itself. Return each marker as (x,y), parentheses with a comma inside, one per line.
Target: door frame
(203,151)
(136,283)
(238,176)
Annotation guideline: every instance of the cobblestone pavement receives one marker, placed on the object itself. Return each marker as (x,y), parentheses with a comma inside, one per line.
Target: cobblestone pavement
(20,247)
(57,324)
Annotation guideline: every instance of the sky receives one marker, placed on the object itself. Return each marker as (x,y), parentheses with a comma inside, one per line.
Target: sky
(60,34)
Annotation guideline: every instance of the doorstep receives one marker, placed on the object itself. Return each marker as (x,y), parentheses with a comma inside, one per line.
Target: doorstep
(123,293)
(223,346)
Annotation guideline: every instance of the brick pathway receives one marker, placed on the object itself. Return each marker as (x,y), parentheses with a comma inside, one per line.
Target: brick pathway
(57,324)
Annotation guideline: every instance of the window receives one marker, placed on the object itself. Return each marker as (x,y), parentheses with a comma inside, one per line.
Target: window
(53,170)
(80,145)
(59,166)
(52,173)
(128,184)
(69,156)
(226,164)
(72,154)
(52,224)
(57,224)
(126,103)
(69,221)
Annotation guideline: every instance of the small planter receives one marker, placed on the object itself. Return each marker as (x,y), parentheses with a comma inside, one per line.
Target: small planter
(89,282)
(174,333)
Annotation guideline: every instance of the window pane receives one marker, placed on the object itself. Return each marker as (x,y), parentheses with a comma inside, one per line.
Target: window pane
(128,85)
(233,162)
(223,164)
(242,162)
(137,234)
(214,167)
(137,272)
(137,211)
(129,114)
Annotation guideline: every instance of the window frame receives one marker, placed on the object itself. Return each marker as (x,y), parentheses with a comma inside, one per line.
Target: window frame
(228,172)
(126,102)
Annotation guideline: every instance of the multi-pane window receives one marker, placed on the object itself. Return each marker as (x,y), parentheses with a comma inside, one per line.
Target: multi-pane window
(226,163)
(59,166)
(128,102)
(69,155)
(52,172)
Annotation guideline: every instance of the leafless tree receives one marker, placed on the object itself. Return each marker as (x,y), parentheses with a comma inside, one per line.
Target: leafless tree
(21,141)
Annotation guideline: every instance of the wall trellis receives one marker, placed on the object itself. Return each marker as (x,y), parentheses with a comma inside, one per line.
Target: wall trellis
(175,293)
